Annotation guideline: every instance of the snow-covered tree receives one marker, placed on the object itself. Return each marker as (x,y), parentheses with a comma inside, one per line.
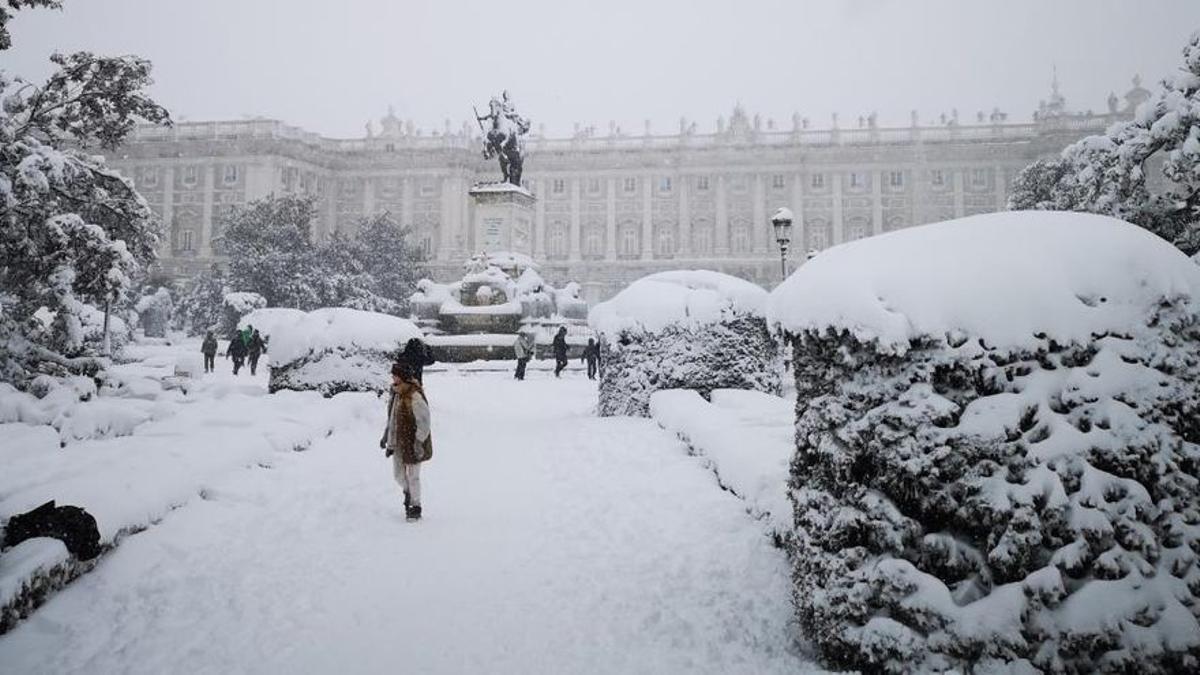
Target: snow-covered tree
(272,252)
(997,465)
(1107,174)
(270,247)
(73,231)
(6,14)
(390,259)
(200,306)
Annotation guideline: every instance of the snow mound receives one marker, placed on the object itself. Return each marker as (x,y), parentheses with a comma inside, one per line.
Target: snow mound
(1003,277)
(295,335)
(690,297)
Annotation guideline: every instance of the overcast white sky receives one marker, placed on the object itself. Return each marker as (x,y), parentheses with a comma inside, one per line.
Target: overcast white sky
(328,66)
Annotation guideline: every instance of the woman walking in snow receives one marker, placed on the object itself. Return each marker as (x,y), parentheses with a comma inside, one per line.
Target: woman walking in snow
(407,439)
(560,350)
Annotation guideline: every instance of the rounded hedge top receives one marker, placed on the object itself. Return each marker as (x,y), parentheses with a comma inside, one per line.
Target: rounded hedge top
(689,297)
(1007,278)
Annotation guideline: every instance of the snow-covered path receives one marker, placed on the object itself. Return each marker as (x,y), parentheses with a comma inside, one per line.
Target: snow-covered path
(554,541)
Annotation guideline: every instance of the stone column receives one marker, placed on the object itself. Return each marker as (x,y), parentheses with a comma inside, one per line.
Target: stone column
(168,212)
(647,225)
(1001,193)
(610,220)
(369,195)
(759,226)
(684,245)
(721,245)
(839,225)
(958,193)
(539,236)
(799,246)
(576,215)
(877,203)
(204,246)
(406,202)
(455,193)
(449,210)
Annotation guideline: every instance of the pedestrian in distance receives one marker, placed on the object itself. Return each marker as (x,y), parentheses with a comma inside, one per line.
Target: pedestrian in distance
(525,350)
(255,350)
(415,356)
(407,438)
(591,354)
(560,350)
(209,349)
(237,352)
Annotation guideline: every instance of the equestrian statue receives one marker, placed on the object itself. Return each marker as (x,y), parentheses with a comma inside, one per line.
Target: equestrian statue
(503,137)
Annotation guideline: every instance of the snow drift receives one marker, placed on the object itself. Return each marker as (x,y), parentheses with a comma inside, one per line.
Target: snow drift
(996,447)
(697,329)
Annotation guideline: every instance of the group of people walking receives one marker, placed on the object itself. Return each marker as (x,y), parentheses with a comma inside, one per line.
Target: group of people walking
(526,349)
(246,344)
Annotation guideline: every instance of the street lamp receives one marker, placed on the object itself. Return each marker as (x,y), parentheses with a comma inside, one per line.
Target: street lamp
(782,222)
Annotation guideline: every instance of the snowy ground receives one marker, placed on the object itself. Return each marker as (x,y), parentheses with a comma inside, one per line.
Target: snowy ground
(554,541)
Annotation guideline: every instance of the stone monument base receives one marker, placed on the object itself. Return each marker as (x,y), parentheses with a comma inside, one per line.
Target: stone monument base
(503,217)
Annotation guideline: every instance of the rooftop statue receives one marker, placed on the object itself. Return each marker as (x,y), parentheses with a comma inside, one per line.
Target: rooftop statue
(503,137)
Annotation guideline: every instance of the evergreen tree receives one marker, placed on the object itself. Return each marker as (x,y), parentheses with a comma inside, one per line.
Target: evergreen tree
(271,251)
(390,257)
(1106,173)
(199,308)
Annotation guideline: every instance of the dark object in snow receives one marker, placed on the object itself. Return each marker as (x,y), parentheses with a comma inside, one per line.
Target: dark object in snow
(69,524)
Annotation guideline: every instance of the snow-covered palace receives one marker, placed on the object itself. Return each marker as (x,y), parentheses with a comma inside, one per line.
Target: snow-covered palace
(611,206)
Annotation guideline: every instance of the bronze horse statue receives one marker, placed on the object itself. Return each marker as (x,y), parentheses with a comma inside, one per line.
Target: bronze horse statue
(503,140)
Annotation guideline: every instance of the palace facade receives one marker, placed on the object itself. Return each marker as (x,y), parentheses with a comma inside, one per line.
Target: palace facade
(610,207)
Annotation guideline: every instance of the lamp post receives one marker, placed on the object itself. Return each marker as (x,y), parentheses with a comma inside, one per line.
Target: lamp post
(782,222)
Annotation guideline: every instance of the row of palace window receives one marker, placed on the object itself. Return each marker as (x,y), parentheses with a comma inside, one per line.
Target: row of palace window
(190,175)
(816,235)
(817,181)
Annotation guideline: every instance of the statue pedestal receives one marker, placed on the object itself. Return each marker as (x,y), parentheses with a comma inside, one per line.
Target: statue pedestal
(503,218)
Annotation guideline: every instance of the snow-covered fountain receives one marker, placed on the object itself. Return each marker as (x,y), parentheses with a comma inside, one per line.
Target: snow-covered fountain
(501,293)
(998,447)
(697,329)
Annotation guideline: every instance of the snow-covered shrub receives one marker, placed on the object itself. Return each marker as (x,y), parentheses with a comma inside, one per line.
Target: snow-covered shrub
(237,305)
(331,350)
(696,330)
(997,459)
(154,312)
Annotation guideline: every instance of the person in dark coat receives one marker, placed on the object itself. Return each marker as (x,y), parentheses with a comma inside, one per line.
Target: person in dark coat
(591,354)
(415,357)
(560,350)
(237,352)
(209,349)
(256,349)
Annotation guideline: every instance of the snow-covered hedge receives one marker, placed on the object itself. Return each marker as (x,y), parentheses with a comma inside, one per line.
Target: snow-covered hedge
(331,350)
(237,305)
(696,330)
(996,447)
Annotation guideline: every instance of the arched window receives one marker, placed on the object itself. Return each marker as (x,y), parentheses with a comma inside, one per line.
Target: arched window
(894,223)
(702,238)
(817,230)
(739,237)
(593,242)
(664,241)
(556,241)
(628,242)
